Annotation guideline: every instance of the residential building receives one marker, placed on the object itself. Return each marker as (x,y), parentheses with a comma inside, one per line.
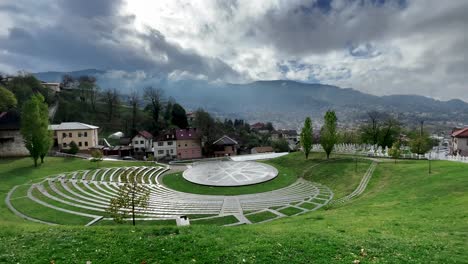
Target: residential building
(459,142)
(11,140)
(188,144)
(54,87)
(143,142)
(85,136)
(190,118)
(165,146)
(258,150)
(225,146)
(291,136)
(260,128)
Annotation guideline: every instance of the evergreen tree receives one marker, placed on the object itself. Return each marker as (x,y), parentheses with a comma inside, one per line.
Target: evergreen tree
(306,137)
(34,127)
(179,116)
(328,133)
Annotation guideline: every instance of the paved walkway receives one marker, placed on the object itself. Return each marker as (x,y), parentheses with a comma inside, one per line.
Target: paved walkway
(361,187)
(88,192)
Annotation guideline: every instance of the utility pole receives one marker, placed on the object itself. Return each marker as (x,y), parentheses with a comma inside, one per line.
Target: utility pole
(430,169)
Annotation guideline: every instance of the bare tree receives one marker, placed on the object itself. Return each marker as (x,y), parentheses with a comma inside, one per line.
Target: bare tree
(155,97)
(134,100)
(111,98)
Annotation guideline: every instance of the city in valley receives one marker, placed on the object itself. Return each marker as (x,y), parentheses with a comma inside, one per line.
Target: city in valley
(310,131)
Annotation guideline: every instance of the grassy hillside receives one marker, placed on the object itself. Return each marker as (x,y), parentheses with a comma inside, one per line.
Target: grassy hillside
(405,216)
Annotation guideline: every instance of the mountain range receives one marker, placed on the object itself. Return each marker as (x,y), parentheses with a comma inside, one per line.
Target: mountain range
(285,103)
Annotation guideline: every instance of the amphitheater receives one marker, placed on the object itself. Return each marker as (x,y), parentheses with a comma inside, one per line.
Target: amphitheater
(86,193)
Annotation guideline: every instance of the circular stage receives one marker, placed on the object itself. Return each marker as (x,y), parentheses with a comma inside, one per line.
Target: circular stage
(230,173)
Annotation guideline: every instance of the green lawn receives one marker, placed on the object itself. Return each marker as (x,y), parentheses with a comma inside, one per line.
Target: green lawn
(262,216)
(404,216)
(21,171)
(287,174)
(290,211)
(222,220)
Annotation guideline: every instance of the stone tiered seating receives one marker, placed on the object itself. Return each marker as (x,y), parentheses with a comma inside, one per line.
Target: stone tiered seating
(88,193)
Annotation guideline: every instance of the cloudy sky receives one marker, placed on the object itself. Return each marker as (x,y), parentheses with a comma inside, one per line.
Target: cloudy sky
(375,46)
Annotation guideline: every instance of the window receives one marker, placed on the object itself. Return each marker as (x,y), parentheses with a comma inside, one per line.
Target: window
(80,144)
(79,134)
(136,142)
(185,144)
(161,151)
(85,134)
(160,144)
(179,145)
(167,152)
(86,143)
(169,143)
(70,134)
(64,145)
(136,149)
(64,135)
(142,142)
(172,151)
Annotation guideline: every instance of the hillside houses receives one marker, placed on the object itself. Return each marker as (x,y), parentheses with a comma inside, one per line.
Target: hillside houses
(178,144)
(165,146)
(84,135)
(142,142)
(459,142)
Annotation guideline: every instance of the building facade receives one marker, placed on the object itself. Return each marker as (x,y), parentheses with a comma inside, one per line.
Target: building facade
(143,142)
(188,144)
(459,142)
(165,146)
(85,136)
(225,146)
(11,140)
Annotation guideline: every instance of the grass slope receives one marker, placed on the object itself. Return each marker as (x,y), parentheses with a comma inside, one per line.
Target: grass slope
(287,174)
(405,216)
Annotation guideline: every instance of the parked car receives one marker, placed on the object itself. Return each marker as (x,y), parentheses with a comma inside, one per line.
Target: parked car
(128,158)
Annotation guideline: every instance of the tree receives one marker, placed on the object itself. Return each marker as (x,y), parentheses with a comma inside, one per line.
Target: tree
(131,197)
(34,127)
(395,151)
(306,137)
(179,116)
(7,99)
(24,85)
(389,132)
(269,126)
(134,100)
(420,144)
(154,96)
(97,156)
(47,139)
(73,148)
(328,133)
(370,131)
(111,98)
(280,145)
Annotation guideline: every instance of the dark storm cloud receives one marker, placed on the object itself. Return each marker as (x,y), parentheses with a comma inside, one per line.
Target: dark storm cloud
(90,34)
(317,27)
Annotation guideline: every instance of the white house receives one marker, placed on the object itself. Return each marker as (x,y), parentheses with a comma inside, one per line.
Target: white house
(165,146)
(143,142)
